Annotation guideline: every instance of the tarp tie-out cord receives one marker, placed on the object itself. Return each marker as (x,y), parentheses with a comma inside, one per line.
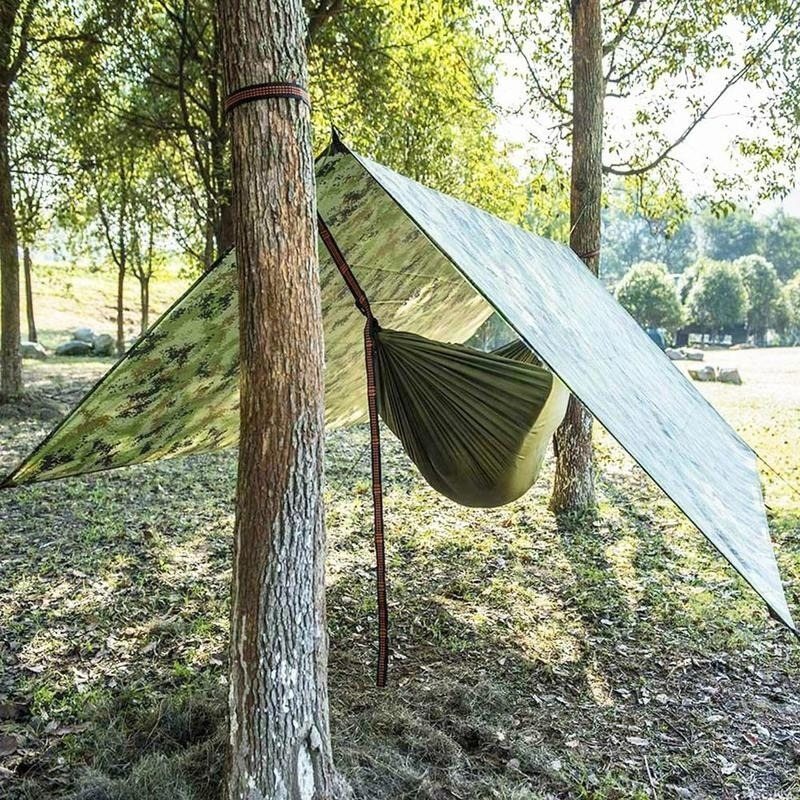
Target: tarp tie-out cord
(371,328)
(266,91)
(789,485)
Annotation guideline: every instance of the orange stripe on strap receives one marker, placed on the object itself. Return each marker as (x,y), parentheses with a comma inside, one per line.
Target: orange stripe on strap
(262,91)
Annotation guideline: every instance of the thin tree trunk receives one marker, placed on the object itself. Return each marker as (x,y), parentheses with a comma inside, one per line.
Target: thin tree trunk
(144,300)
(120,310)
(27,266)
(223,218)
(208,245)
(10,359)
(279,744)
(573,487)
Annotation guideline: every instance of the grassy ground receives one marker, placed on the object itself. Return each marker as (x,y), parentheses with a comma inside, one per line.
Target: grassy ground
(609,656)
(69,296)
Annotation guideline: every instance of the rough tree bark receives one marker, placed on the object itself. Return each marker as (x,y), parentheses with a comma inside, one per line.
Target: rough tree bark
(27,266)
(10,63)
(120,344)
(573,488)
(10,360)
(279,743)
(144,303)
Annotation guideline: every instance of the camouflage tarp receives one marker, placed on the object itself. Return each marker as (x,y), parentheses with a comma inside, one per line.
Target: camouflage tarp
(427,261)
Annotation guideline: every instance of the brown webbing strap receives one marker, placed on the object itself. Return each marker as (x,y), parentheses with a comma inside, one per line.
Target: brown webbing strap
(262,91)
(371,326)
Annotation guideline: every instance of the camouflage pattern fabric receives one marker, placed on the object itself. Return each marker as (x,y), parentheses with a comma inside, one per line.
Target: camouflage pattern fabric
(563,313)
(430,265)
(176,392)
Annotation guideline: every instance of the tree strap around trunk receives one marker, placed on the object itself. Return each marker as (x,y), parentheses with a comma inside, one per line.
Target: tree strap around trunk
(265,91)
(370,329)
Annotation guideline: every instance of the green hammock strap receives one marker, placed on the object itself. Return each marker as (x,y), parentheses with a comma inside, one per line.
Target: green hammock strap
(371,327)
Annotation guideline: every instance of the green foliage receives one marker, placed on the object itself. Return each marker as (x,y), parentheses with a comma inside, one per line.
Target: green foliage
(717,299)
(787,311)
(658,58)
(763,290)
(34,155)
(782,244)
(629,237)
(410,84)
(407,83)
(649,295)
(731,236)
(737,233)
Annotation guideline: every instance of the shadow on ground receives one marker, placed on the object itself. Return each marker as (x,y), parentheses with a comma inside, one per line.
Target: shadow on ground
(606,656)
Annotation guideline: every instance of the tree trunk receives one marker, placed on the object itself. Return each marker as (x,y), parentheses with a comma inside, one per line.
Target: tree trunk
(27,266)
(120,310)
(10,359)
(279,744)
(208,244)
(573,488)
(144,302)
(223,216)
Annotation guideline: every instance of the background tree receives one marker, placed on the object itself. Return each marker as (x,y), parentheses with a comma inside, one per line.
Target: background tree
(718,299)
(788,312)
(15,30)
(144,255)
(731,236)
(573,484)
(29,29)
(651,55)
(763,290)
(110,196)
(411,83)
(279,743)
(115,196)
(649,295)
(367,60)
(630,237)
(171,52)
(782,244)
(31,179)
(35,165)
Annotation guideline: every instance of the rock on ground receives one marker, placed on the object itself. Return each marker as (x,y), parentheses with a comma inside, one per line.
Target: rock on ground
(729,375)
(703,374)
(32,350)
(76,347)
(673,354)
(83,335)
(692,355)
(103,345)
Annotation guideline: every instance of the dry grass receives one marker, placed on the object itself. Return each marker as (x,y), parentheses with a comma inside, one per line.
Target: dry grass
(68,296)
(609,656)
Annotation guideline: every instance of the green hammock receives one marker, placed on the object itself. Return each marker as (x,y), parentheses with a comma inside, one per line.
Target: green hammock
(476,424)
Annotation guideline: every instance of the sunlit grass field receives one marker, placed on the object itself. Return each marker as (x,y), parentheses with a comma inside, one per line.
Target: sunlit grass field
(69,296)
(612,655)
